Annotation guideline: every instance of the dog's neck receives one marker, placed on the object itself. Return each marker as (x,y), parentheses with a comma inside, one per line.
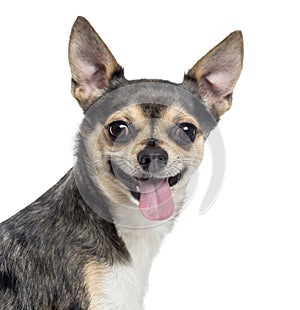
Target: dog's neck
(144,244)
(142,238)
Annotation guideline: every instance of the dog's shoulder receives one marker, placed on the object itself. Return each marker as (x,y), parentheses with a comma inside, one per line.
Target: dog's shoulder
(51,244)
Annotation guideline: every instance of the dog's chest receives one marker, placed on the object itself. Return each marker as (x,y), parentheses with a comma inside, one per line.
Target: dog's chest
(124,286)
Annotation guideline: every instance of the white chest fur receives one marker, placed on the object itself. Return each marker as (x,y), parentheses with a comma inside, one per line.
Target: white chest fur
(123,287)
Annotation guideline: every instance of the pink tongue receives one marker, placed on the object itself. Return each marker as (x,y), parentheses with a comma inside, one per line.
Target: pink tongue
(156,202)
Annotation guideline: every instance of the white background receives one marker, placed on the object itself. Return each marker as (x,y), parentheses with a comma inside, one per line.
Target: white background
(244,252)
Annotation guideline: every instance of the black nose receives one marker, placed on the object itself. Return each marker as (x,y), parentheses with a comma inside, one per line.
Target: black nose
(152,159)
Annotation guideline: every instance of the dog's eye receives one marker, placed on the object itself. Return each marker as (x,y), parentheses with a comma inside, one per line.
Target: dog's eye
(189,130)
(118,130)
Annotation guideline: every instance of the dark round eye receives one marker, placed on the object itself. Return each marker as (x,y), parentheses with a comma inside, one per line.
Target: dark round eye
(118,130)
(189,130)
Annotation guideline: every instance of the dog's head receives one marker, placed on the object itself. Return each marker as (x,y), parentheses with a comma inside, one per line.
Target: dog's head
(146,137)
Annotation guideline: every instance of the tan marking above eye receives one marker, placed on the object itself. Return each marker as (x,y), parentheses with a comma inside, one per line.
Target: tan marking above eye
(129,115)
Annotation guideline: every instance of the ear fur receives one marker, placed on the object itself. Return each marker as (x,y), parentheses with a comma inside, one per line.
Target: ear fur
(218,71)
(91,62)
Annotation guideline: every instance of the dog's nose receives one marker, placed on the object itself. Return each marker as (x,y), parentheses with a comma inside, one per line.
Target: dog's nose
(152,159)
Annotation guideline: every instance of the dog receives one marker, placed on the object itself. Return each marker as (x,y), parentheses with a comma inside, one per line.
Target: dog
(89,241)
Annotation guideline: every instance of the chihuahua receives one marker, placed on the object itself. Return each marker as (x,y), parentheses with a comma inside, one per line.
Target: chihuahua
(89,241)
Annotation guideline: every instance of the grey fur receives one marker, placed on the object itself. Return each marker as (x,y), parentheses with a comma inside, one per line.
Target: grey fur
(44,247)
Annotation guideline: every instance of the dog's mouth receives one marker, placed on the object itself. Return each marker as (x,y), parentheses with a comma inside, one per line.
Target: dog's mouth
(172,181)
(153,194)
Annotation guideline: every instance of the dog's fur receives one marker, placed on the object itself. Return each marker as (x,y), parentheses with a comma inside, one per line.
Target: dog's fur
(58,253)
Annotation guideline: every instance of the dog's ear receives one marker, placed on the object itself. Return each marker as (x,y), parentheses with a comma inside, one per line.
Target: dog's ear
(92,64)
(217,73)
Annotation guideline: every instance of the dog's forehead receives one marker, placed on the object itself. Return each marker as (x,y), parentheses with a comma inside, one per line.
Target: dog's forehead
(153,97)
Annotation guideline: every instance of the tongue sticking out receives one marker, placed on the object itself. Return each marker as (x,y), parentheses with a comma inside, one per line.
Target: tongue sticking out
(156,202)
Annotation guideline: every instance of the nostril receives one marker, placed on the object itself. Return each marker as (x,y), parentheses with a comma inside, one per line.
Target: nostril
(162,159)
(144,160)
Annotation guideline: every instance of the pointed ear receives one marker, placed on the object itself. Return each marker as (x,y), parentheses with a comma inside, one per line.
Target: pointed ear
(92,64)
(218,71)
